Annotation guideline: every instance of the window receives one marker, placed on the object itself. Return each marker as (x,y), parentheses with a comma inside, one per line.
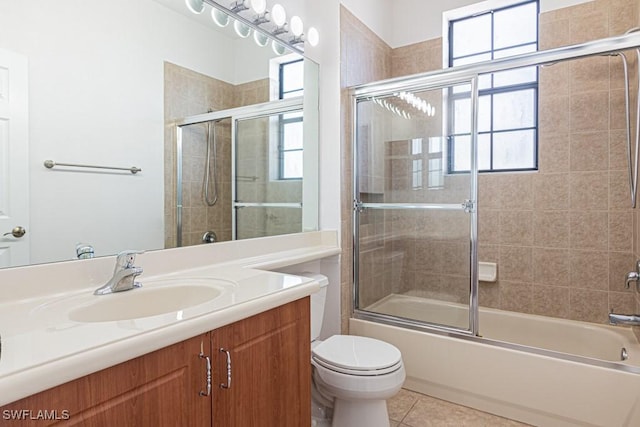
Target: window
(507,103)
(290,144)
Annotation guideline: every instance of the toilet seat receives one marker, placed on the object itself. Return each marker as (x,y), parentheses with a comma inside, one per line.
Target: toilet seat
(359,356)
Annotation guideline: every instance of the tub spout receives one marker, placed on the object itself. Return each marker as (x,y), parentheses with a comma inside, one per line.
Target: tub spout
(624,319)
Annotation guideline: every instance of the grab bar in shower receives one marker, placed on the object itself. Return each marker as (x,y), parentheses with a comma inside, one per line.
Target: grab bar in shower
(49,164)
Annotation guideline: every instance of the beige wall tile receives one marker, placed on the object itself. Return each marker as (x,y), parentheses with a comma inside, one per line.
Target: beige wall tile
(589,74)
(551,229)
(551,301)
(619,197)
(554,114)
(516,191)
(589,190)
(551,266)
(621,231)
(589,112)
(516,227)
(589,269)
(551,191)
(620,263)
(588,305)
(516,263)
(618,150)
(622,303)
(586,27)
(515,296)
(553,152)
(589,151)
(589,230)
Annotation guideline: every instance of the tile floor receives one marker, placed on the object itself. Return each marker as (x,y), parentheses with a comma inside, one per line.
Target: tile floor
(410,409)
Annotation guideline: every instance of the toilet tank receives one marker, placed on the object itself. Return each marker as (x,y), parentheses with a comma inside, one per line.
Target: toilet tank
(317,302)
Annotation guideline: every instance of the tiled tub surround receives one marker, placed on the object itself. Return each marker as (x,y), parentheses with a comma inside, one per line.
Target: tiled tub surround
(563,237)
(43,348)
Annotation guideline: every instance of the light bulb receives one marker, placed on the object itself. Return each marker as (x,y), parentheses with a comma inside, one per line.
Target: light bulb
(313,37)
(241,29)
(278,48)
(278,15)
(219,17)
(259,6)
(297,27)
(260,39)
(195,6)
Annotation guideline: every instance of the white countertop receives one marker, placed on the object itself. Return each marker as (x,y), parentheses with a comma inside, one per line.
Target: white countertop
(42,347)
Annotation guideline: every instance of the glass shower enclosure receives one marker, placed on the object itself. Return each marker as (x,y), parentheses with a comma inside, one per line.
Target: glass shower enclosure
(415,224)
(259,178)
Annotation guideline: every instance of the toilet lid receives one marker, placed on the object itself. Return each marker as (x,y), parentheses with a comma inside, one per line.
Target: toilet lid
(357,355)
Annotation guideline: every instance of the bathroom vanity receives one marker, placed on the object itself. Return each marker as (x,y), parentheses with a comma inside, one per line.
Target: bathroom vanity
(268,383)
(104,366)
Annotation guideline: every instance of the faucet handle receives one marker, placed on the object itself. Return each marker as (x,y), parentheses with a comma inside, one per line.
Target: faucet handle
(126,258)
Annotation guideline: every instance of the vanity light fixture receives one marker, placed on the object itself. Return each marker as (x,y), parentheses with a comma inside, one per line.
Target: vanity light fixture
(259,6)
(242,30)
(195,6)
(390,107)
(271,24)
(297,27)
(417,103)
(260,39)
(313,37)
(278,48)
(278,15)
(239,6)
(219,17)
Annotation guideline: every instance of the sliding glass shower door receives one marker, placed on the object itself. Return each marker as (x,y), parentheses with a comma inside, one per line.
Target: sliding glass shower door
(414,210)
(268,175)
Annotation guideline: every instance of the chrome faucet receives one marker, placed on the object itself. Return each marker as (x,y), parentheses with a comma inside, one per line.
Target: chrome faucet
(123,275)
(633,276)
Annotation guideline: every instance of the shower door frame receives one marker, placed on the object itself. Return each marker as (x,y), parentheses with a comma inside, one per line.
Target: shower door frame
(446,77)
(469,205)
(290,105)
(240,113)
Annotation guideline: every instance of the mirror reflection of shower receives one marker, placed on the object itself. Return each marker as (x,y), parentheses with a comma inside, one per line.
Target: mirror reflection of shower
(231,180)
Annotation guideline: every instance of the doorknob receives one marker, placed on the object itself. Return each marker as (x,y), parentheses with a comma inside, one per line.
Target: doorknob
(17,232)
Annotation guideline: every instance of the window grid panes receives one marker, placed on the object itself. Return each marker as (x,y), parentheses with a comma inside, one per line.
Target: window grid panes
(290,154)
(507,103)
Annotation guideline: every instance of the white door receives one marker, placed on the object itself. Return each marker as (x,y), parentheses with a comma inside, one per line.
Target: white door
(14,156)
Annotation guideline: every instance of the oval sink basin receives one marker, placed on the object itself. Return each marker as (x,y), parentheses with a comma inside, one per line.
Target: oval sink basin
(161,298)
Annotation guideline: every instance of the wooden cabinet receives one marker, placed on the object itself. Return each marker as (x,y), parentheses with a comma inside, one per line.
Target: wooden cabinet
(270,377)
(270,382)
(157,389)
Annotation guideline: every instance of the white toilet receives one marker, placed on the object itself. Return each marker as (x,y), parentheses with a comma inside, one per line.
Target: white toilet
(352,376)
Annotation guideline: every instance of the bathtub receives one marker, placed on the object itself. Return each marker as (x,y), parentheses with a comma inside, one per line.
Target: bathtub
(539,370)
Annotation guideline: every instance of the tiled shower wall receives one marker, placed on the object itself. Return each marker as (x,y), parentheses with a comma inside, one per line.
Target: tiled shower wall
(563,237)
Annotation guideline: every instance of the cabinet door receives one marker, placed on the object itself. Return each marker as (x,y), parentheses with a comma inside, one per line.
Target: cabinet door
(157,389)
(270,369)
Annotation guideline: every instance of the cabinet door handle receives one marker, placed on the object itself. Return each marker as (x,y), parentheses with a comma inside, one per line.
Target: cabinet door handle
(228,384)
(208,360)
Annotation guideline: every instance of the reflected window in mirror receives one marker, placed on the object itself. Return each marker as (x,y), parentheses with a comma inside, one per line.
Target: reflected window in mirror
(290,154)
(507,104)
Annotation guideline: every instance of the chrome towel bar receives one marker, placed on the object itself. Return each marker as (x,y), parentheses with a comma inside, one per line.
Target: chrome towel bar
(49,164)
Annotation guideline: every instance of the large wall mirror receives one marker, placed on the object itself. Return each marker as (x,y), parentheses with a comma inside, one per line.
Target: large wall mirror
(109,84)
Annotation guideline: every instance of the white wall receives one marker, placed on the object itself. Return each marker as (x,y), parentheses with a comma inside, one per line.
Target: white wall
(325,16)
(403,22)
